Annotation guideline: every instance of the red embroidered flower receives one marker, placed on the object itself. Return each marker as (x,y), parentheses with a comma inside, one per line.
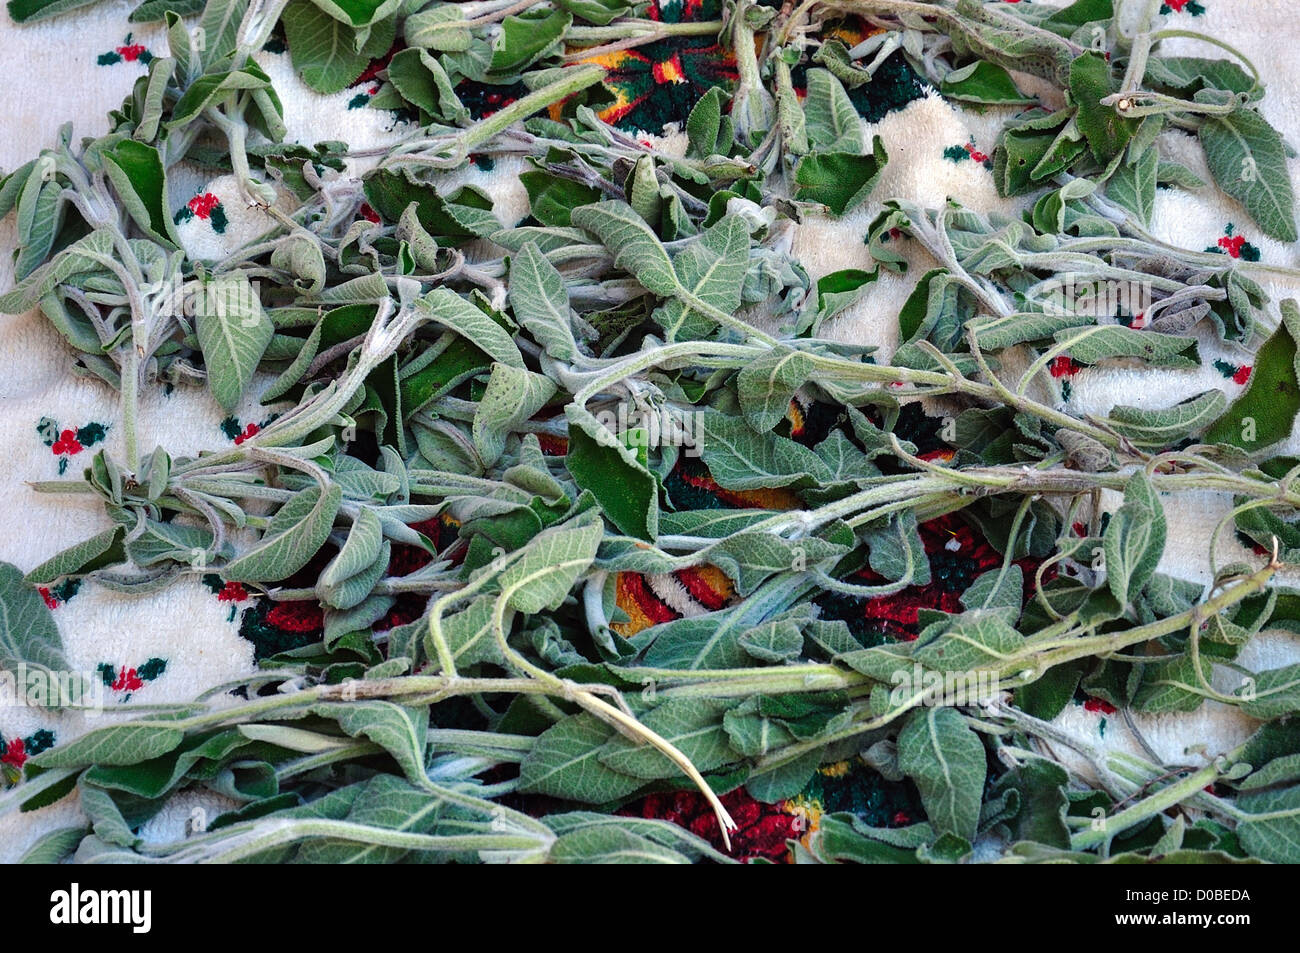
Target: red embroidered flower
(48,597)
(67,443)
(1098,704)
(202,205)
(1229,243)
(975,153)
(1242,374)
(1064,366)
(369,214)
(15,754)
(302,616)
(901,819)
(131,53)
(250,431)
(128,681)
(762,829)
(1176,5)
(232,592)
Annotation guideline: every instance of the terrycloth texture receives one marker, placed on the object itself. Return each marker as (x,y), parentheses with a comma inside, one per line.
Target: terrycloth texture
(171,646)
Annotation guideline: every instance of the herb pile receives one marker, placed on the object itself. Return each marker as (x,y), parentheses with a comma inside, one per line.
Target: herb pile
(522,416)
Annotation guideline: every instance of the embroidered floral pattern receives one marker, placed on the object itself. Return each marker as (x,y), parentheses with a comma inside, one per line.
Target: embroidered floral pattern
(239,432)
(961,153)
(56,595)
(1237,373)
(128,52)
(1235,245)
(658,83)
(207,208)
(1182,6)
(14,752)
(231,592)
(125,680)
(1064,367)
(66,442)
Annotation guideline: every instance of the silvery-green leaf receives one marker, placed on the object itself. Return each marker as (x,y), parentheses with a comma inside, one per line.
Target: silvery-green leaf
(636,249)
(114,745)
(28,634)
(400,731)
(565,762)
(611,845)
(437,28)
(456,314)
(1248,161)
(713,270)
(550,565)
(945,759)
(233,333)
(295,533)
(833,122)
(359,550)
(512,396)
(79,558)
(1153,429)
(767,385)
(692,725)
